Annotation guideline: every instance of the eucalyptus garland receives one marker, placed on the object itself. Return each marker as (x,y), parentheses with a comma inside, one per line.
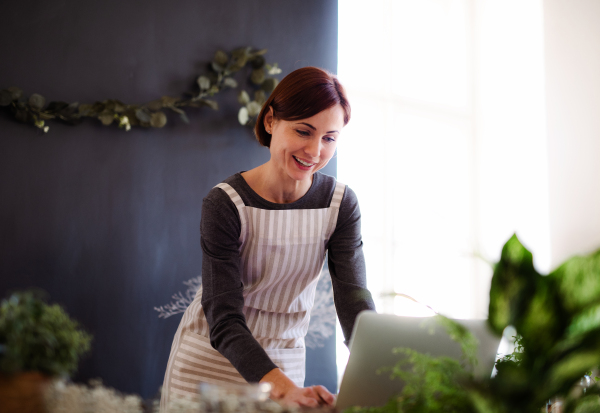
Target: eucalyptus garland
(33,109)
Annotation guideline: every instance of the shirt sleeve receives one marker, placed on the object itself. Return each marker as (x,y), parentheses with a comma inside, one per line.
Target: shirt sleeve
(347,265)
(222,298)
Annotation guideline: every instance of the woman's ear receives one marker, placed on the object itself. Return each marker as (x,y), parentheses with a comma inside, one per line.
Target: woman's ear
(269,120)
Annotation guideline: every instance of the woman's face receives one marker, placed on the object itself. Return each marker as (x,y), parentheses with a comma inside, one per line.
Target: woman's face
(299,148)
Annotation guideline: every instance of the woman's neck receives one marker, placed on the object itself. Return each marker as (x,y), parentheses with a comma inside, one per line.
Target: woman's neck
(275,186)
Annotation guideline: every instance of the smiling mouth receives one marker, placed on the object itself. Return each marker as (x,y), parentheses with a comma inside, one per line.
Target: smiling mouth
(301,162)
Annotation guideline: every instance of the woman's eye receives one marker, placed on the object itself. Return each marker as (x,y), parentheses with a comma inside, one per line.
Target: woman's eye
(302,132)
(329,139)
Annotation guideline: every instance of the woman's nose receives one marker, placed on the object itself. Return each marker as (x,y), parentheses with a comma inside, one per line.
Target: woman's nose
(313,148)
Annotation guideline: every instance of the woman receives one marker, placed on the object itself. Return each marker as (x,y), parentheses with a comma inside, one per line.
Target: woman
(264,236)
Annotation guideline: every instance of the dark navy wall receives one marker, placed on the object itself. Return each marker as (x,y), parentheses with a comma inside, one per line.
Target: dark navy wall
(107,221)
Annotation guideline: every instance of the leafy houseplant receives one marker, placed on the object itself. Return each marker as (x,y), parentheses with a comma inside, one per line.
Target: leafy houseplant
(557,318)
(37,341)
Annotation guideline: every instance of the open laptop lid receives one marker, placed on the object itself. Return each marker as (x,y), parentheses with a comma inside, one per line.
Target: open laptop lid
(375,335)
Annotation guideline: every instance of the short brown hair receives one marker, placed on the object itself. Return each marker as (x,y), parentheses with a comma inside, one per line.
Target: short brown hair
(300,95)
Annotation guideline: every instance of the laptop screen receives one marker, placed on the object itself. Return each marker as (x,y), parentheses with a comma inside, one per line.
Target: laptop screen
(376,335)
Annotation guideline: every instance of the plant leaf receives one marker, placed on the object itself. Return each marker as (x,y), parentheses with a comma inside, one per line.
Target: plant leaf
(168,101)
(230,82)
(37,101)
(243,117)
(269,84)
(203,82)
(221,58)
(243,97)
(154,105)
(15,92)
(184,117)
(158,120)
(45,116)
(217,67)
(260,97)
(86,110)
(143,114)
(257,62)
(23,116)
(210,103)
(253,108)
(106,118)
(258,76)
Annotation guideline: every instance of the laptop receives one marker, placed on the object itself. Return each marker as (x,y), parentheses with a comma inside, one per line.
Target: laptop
(375,335)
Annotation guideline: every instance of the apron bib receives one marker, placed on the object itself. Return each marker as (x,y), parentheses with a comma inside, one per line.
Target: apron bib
(282,254)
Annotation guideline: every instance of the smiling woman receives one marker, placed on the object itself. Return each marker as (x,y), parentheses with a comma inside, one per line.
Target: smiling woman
(265,234)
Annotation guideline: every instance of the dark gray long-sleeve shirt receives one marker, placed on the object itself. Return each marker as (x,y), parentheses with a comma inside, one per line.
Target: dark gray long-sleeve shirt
(222,297)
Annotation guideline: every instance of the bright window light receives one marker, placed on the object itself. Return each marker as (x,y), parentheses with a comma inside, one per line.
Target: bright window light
(446,145)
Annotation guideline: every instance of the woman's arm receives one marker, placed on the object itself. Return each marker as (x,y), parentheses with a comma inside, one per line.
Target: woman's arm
(347,265)
(222,298)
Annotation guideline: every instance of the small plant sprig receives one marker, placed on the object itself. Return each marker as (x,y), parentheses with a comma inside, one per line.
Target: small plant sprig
(33,109)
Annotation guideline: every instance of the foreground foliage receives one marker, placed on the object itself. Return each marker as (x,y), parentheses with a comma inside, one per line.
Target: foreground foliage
(35,336)
(557,317)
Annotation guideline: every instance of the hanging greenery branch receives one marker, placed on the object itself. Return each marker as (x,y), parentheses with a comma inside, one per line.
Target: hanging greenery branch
(33,109)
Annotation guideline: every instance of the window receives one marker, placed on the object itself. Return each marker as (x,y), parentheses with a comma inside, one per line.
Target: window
(446,146)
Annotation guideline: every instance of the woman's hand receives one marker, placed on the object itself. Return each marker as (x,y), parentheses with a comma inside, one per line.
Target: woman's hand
(284,391)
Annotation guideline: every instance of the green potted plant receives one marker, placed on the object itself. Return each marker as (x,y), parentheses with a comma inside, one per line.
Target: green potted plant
(557,319)
(37,342)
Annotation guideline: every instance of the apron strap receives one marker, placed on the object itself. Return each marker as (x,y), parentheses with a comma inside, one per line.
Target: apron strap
(239,204)
(338,194)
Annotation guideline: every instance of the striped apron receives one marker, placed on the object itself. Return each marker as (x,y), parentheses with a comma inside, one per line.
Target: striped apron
(282,255)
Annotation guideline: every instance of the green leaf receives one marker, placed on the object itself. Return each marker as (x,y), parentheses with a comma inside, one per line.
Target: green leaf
(241,52)
(119,107)
(221,58)
(213,89)
(243,97)
(257,62)
(260,97)
(269,84)
(585,322)
(15,92)
(273,70)
(258,76)
(168,101)
(243,117)
(579,281)
(45,116)
(86,110)
(155,105)
(239,62)
(23,116)
(106,118)
(203,82)
(513,284)
(184,117)
(571,368)
(217,67)
(210,103)
(5,97)
(57,107)
(230,82)
(259,52)
(253,108)
(143,114)
(158,120)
